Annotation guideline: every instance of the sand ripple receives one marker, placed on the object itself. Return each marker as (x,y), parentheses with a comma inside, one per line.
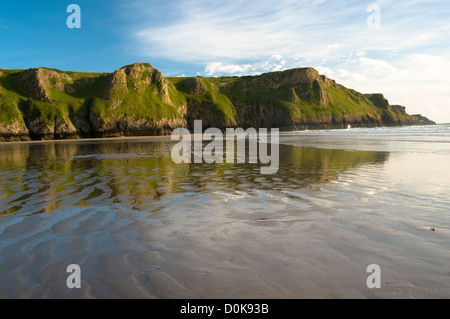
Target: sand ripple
(140,226)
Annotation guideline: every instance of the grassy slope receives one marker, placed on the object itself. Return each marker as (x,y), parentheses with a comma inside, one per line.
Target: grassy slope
(9,99)
(88,96)
(211,99)
(343,101)
(224,96)
(62,103)
(141,101)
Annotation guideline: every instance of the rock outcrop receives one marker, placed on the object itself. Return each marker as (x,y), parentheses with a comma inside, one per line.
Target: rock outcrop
(137,99)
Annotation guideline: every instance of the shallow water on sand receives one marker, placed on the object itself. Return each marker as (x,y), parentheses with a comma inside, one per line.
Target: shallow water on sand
(141,226)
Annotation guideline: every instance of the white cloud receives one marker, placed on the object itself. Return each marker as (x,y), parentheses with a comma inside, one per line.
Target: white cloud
(417,81)
(204,31)
(325,71)
(217,68)
(406,59)
(276,57)
(377,68)
(212,30)
(274,63)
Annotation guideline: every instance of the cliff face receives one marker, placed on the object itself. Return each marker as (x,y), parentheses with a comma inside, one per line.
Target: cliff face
(296,97)
(138,100)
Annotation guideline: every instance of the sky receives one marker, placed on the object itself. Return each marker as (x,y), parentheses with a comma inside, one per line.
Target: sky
(398,48)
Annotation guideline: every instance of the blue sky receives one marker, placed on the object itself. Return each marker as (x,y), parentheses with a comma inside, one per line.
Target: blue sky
(406,57)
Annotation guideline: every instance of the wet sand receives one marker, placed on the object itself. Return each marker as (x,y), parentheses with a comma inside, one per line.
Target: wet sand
(141,226)
(96,139)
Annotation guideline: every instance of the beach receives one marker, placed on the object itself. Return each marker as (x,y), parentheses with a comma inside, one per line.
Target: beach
(141,226)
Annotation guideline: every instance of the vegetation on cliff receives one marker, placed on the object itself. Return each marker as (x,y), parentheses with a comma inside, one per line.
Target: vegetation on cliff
(137,100)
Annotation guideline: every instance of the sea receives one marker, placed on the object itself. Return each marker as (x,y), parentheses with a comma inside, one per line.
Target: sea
(350,213)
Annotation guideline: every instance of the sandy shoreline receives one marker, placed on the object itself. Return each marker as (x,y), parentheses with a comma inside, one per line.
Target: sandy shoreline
(145,227)
(163,138)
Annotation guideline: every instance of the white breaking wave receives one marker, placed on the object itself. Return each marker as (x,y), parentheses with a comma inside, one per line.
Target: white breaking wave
(422,139)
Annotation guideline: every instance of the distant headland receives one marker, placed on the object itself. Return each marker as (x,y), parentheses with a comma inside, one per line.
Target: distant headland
(137,100)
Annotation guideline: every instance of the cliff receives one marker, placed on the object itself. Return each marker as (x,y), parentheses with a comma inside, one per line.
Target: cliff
(137,99)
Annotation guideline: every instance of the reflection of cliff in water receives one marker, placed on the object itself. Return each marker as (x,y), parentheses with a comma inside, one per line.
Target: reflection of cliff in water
(299,167)
(42,177)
